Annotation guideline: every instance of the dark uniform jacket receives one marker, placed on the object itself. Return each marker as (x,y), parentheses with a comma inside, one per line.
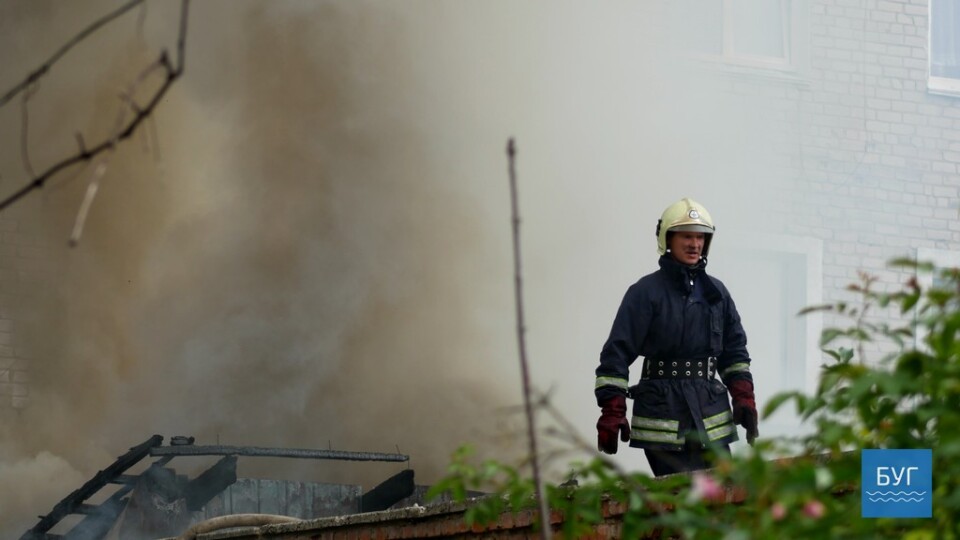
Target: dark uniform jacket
(676,314)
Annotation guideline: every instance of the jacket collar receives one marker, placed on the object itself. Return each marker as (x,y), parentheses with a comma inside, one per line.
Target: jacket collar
(681,271)
(681,275)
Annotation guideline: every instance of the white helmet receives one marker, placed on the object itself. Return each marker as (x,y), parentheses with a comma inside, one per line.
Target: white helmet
(685,215)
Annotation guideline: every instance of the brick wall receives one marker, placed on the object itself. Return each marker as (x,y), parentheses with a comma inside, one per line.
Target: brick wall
(871,155)
(17,254)
(445,520)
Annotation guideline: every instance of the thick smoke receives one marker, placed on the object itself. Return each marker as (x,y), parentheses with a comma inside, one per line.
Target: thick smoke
(289,270)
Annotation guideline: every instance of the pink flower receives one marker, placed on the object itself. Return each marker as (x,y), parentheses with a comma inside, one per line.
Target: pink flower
(706,488)
(778,511)
(814,509)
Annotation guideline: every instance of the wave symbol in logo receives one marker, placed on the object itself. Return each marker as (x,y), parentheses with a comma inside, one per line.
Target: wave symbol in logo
(896,496)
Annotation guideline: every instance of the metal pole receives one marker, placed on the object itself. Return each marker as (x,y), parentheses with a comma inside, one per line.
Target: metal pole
(257,451)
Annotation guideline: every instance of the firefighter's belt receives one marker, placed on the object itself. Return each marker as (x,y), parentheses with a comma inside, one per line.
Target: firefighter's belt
(687,368)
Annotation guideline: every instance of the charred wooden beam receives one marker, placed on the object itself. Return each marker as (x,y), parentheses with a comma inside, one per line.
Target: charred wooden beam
(389,492)
(257,451)
(212,482)
(72,502)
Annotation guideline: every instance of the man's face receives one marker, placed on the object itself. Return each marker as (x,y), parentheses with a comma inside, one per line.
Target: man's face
(686,246)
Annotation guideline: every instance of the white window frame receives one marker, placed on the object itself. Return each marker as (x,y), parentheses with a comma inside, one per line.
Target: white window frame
(795,61)
(807,254)
(811,249)
(944,86)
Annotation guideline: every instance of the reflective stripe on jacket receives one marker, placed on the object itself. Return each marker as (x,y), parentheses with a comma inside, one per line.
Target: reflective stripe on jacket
(667,412)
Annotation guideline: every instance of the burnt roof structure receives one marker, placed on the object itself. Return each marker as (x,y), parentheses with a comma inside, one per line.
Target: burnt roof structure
(184,495)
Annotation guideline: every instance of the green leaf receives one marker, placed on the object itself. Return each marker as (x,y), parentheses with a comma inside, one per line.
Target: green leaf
(777,400)
(814,309)
(909,301)
(829,334)
(905,262)
(823,478)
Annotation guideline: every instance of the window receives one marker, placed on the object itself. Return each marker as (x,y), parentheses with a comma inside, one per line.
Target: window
(944,47)
(758,34)
(771,278)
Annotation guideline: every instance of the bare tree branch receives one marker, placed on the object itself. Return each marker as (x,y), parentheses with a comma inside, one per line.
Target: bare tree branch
(43,69)
(182,38)
(171,75)
(24,131)
(545,531)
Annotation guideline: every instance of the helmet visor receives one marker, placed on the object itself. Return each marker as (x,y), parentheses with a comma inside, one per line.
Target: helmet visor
(693,227)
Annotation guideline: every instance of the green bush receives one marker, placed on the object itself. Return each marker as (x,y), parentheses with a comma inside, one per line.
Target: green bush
(909,399)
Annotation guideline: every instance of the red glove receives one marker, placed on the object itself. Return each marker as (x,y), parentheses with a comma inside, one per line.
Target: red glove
(744,407)
(613,421)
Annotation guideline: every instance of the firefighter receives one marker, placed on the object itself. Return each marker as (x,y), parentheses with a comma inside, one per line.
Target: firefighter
(685,325)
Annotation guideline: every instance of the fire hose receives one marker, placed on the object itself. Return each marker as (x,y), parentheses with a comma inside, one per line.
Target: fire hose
(234,520)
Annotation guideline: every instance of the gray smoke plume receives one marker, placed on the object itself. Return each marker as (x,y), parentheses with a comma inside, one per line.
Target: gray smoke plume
(290,271)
